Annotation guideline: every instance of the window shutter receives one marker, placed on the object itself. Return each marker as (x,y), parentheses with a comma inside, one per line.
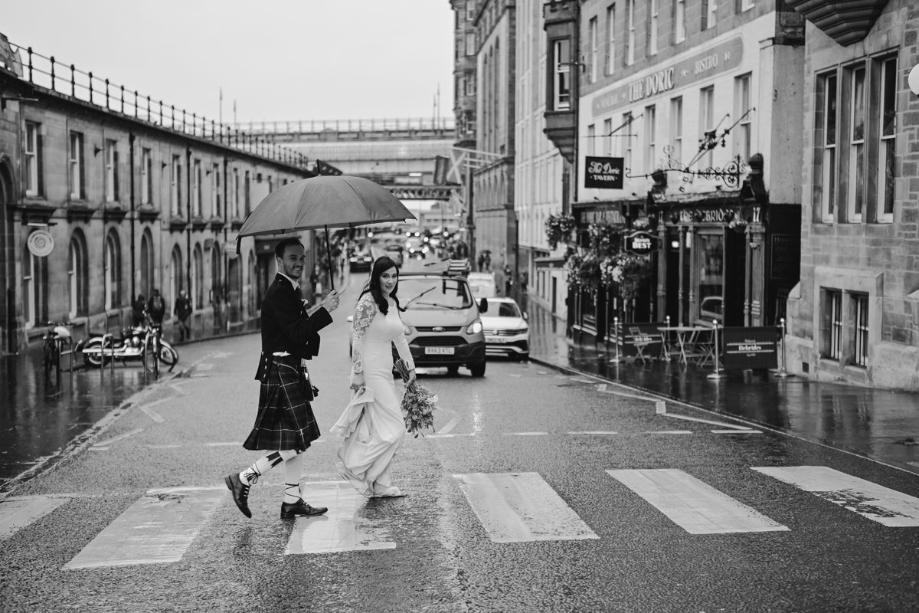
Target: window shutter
(40,188)
(82,194)
(115,174)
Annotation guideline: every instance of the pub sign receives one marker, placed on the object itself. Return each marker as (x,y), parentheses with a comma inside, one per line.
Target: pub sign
(639,243)
(603,172)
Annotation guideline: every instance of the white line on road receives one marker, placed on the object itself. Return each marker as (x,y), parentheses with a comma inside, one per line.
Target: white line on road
(109,441)
(876,502)
(451,424)
(593,432)
(157,529)
(152,414)
(161,446)
(524,434)
(668,432)
(736,432)
(17,513)
(660,408)
(521,507)
(178,389)
(693,505)
(343,528)
(452,435)
(227,444)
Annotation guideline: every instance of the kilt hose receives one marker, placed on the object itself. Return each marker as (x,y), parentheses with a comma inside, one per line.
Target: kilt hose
(285,418)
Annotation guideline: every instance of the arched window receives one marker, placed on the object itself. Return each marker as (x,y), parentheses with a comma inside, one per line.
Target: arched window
(77,275)
(175,275)
(216,276)
(112,271)
(197,277)
(147,264)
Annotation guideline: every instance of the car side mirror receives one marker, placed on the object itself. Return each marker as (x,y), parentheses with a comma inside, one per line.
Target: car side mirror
(483,305)
(526,316)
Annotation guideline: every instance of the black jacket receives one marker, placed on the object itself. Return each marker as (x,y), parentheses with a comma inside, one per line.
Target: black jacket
(286,326)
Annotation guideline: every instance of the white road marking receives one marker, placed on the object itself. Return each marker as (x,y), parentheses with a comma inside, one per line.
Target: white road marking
(109,441)
(440,435)
(736,432)
(521,507)
(876,502)
(593,432)
(583,380)
(160,401)
(601,387)
(661,409)
(513,375)
(693,505)
(227,444)
(204,366)
(451,424)
(525,434)
(157,529)
(17,513)
(178,389)
(343,528)
(668,432)
(152,414)
(161,446)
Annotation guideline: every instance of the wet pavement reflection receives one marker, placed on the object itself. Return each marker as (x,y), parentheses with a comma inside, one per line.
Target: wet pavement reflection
(880,424)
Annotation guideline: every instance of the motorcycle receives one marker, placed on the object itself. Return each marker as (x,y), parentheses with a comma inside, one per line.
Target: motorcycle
(138,343)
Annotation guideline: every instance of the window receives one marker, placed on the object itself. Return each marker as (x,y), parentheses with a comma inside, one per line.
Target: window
(470,83)
(175,187)
(630,33)
(147,263)
(607,137)
(146,177)
(77,178)
(707,119)
(679,21)
(216,200)
(247,193)
(111,171)
(861,329)
(709,14)
(197,278)
(676,129)
(855,197)
(470,10)
(887,135)
(744,130)
(76,276)
(235,193)
(32,159)
(746,5)
(593,55)
(562,93)
(650,137)
(111,263)
(832,336)
(610,50)
(470,43)
(196,190)
(591,140)
(175,275)
(827,87)
(652,26)
(627,137)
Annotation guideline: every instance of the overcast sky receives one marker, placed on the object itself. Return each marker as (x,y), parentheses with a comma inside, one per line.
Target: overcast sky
(278,59)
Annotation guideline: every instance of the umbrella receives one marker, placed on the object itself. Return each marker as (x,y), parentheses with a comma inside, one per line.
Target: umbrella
(323,202)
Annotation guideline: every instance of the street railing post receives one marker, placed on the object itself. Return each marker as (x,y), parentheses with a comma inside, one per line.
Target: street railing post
(719,372)
(617,359)
(782,373)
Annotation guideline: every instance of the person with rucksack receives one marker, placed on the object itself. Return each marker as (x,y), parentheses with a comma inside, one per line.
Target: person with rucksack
(156,307)
(182,312)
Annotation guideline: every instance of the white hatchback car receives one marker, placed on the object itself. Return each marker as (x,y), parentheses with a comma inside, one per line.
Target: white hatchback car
(506,329)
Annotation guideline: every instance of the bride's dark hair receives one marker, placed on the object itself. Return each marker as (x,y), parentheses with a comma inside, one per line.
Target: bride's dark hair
(381,265)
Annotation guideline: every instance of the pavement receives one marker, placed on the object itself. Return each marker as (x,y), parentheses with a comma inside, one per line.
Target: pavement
(880,425)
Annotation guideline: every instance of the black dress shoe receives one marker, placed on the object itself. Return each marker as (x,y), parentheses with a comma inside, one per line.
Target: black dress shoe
(240,493)
(292,510)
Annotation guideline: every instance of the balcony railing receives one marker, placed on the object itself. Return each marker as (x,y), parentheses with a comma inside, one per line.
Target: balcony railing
(316,126)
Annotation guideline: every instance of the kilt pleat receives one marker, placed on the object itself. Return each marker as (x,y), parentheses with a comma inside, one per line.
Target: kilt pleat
(285,418)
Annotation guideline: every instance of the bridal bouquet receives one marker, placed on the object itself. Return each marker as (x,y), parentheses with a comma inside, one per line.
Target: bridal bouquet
(418,404)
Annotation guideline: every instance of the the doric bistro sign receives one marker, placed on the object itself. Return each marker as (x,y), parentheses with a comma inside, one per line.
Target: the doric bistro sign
(603,172)
(611,216)
(716,60)
(724,214)
(845,21)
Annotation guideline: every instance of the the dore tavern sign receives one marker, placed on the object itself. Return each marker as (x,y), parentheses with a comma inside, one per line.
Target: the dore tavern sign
(603,172)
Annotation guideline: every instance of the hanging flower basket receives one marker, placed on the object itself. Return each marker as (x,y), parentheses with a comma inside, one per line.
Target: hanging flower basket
(572,268)
(589,271)
(631,272)
(559,229)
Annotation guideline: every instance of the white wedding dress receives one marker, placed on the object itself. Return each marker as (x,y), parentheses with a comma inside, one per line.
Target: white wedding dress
(372,423)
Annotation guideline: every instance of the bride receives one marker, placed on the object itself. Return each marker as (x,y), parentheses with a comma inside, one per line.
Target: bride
(372,424)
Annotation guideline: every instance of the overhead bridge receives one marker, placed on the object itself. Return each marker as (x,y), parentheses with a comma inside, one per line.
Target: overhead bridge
(422,192)
(349,130)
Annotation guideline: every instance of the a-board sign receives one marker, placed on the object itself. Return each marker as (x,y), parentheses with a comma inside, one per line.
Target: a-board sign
(749,348)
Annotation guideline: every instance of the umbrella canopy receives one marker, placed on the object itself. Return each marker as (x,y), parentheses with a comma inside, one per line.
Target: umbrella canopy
(324,202)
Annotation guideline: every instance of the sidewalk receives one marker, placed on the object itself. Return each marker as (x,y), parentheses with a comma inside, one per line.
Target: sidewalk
(878,424)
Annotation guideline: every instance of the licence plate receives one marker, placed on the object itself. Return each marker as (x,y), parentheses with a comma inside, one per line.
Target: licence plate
(438,350)
(495,339)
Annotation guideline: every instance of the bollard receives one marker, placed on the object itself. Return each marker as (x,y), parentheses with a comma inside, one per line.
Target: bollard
(665,340)
(781,373)
(617,359)
(719,372)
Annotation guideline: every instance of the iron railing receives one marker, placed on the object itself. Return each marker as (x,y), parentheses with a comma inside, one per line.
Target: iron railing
(316,126)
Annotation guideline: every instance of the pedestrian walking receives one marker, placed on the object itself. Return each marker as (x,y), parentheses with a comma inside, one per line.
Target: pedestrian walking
(156,308)
(138,310)
(183,311)
(508,280)
(285,424)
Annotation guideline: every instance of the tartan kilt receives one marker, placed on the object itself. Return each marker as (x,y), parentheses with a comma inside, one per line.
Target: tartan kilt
(285,418)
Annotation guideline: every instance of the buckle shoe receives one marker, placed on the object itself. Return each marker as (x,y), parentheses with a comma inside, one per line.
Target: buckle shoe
(240,493)
(292,510)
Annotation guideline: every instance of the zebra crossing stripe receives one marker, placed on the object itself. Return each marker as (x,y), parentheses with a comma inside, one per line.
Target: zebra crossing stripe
(17,513)
(157,529)
(693,505)
(342,528)
(876,502)
(521,507)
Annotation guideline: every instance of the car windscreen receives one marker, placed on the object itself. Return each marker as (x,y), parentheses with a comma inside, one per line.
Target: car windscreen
(508,309)
(433,293)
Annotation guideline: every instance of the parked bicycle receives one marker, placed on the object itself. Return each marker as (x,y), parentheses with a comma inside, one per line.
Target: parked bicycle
(55,339)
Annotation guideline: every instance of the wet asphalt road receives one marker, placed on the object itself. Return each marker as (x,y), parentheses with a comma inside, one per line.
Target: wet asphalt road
(517,419)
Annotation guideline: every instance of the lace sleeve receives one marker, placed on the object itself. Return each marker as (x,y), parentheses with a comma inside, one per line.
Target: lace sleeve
(363,314)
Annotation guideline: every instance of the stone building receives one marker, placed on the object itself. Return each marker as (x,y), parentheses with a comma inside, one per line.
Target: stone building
(464,72)
(854,316)
(690,128)
(107,195)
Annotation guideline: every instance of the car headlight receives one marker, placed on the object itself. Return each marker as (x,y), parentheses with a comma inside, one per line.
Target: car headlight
(475,327)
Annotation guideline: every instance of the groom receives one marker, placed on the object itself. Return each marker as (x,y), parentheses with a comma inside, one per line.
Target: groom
(285,424)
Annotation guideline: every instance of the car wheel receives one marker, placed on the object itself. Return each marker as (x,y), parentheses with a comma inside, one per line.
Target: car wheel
(477,370)
(522,357)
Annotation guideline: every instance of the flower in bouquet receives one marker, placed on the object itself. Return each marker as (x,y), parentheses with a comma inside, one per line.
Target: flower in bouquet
(418,404)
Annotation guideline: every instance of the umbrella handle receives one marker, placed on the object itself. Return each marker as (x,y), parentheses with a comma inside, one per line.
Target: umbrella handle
(328,252)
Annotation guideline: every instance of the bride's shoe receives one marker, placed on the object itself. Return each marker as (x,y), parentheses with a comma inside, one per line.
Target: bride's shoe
(388,492)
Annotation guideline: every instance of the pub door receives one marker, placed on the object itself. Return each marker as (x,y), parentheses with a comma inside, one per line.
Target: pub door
(672,299)
(735,252)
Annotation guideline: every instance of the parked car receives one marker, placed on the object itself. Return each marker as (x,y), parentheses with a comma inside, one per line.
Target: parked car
(360,261)
(506,330)
(712,308)
(483,284)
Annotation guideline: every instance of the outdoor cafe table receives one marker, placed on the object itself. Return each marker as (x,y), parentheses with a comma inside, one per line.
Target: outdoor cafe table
(685,337)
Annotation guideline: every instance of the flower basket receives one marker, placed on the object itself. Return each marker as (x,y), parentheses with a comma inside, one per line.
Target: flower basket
(558,229)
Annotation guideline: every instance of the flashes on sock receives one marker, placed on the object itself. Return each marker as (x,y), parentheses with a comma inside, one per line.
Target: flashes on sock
(291,493)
